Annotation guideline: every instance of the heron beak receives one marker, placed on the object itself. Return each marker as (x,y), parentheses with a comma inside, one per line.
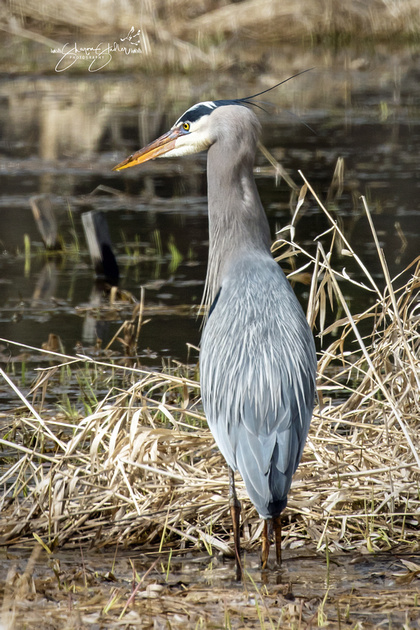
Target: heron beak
(158,147)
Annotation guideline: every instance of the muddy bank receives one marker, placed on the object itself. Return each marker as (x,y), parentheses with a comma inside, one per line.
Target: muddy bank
(130,589)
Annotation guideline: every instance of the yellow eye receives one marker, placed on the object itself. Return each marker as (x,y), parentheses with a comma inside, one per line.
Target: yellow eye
(186,126)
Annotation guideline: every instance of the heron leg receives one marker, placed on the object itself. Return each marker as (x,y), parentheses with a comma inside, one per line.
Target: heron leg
(265,545)
(277,533)
(235,512)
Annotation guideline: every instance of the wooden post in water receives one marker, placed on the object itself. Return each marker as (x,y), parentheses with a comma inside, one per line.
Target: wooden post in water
(100,246)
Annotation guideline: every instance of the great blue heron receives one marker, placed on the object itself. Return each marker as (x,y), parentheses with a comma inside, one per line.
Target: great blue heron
(257,356)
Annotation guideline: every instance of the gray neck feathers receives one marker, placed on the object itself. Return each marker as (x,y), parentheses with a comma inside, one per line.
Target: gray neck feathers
(238,225)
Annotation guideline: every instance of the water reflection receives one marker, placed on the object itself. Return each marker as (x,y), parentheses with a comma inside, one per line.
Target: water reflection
(62,136)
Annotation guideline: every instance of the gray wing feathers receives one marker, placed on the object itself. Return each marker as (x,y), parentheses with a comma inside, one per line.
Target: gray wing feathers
(258,377)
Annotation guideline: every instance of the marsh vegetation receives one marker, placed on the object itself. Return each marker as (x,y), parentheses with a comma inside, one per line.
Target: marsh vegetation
(113,495)
(141,472)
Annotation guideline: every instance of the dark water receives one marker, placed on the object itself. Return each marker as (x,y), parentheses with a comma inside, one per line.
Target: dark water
(57,142)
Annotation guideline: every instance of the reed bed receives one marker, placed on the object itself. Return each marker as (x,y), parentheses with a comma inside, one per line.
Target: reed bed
(142,469)
(186,34)
(165,20)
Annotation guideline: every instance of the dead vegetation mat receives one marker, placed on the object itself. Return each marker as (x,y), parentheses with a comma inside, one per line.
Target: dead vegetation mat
(143,469)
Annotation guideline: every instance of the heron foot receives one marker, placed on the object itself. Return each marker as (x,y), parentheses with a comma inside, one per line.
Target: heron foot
(267,536)
(271,533)
(277,533)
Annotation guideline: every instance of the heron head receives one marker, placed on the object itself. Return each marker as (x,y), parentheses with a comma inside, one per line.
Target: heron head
(194,131)
(191,133)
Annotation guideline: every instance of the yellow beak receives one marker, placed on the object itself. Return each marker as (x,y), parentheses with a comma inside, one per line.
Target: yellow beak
(158,147)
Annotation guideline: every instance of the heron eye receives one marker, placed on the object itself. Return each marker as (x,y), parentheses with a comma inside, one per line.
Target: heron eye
(186,126)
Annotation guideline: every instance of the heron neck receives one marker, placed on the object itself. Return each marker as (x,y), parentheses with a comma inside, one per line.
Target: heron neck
(238,225)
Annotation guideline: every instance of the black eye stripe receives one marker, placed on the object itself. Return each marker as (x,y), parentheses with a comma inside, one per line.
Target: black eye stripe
(203,109)
(193,114)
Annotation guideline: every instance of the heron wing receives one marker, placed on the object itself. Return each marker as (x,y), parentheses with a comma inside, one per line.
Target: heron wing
(257,375)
